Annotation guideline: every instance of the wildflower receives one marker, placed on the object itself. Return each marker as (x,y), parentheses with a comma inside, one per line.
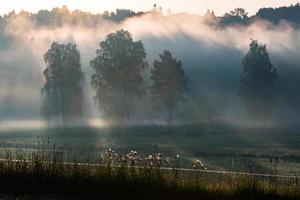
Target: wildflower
(197,164)
(129,157)
(158,157)
(167,160)
(132,156)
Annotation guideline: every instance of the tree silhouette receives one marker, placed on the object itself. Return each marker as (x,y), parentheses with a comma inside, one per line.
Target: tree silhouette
(169,85)
(62,92)
(120,15)
(258,82)
(241,12)
(275,15)
(117,75)
(236,16)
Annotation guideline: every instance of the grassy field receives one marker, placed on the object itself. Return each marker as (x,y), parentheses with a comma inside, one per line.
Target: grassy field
(220,148)
(131,163)
(42,173)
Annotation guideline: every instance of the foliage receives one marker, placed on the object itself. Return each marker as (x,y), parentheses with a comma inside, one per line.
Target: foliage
(237,16)
(62,92)
(60,16)
(117,76)
(258,82)
(275,15)
(120,15)
(169,84)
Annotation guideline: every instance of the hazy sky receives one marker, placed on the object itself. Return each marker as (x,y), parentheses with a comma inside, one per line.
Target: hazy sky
(192,6)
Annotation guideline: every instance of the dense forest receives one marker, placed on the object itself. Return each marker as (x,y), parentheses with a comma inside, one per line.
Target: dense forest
(179,68)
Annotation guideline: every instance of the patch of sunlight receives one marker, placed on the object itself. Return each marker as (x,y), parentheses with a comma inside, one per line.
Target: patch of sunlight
(22,124)
(97,123)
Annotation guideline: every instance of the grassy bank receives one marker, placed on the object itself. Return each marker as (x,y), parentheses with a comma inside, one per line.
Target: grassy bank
(43,173)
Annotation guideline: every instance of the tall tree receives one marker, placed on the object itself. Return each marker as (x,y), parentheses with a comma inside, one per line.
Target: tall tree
(63,92)
(117,76)
(169,85)
(258,82)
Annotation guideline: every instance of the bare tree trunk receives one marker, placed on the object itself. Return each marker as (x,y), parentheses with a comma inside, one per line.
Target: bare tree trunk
(62,98)
(170,119)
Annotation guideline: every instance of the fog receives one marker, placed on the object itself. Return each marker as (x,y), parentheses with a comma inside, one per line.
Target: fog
(211,57)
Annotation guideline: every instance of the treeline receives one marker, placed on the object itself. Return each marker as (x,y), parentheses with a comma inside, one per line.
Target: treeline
(275,15)
(118,81)
(239,16)
(60,16)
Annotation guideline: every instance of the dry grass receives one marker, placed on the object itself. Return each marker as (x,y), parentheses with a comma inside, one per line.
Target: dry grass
(130,176)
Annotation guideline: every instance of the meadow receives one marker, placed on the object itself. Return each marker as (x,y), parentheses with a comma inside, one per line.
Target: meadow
(147,162)
(219,148)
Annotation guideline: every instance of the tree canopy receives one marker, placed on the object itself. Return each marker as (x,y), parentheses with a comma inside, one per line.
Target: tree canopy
(117,76)
(237,16)
(169,84)
(275,15)
(63,92)
(120,15)
(258,82)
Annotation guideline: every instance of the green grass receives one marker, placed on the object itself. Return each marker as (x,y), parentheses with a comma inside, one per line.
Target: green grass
(42,172)
(219,147)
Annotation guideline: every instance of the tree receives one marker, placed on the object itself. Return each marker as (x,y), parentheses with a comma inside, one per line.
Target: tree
(63,92)
(120,15)
(169,85)
(44,17)
(237,16)
(258,82)
(117,76)
(241,12)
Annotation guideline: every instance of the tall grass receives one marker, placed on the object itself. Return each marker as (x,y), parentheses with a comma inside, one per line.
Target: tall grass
(58,169)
